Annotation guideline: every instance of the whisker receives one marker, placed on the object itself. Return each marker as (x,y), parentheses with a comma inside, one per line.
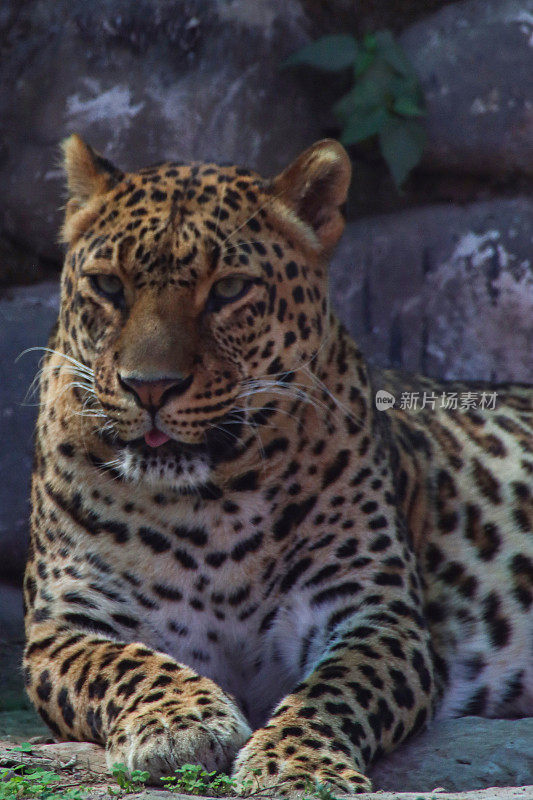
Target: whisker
(72,360)
(252,216)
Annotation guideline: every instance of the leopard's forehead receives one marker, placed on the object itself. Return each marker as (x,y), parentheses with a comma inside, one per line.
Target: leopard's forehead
(177,193)
(180,215)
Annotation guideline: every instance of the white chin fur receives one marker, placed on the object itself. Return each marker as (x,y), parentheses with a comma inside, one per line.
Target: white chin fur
(176,472)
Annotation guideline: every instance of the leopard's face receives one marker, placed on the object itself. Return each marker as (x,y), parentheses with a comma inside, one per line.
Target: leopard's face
(190,293)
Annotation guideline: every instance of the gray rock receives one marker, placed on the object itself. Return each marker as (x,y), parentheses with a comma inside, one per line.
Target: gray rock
(19,266)
(26,316)
(366,16)
(12,694)
(84,763)
(143,81)
(461,754)
(21,725)
(11,618)
(475,61)
(443,290)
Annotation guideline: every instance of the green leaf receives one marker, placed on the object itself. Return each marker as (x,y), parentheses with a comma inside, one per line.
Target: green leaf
(343,108)
(362,126)
(365,97)
(406,87)
(329,53)
(140,776)
(24,747)
(362,61)
(393,54)
(402,144)
(378,79)
(370,43)
(407,107)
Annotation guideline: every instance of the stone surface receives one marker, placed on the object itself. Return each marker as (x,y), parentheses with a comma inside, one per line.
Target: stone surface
(461,754)
(21,725)
(508,793)
(362,16)
(89,755)
(443,290)
(11,617)
(153,79)
(475,62)
(85,763)
(26,316)
(12,694)
(18,265)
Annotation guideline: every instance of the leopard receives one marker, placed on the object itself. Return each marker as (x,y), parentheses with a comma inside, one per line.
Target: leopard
(238,559)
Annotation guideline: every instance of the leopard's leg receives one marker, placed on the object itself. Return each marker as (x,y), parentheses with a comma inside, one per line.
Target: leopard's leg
(150,712)
(372,687)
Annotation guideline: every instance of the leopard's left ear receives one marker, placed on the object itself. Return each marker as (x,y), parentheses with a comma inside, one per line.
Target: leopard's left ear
(88,175)
(315,187)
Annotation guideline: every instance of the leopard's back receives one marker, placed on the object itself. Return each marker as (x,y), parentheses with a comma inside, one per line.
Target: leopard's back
(465,481)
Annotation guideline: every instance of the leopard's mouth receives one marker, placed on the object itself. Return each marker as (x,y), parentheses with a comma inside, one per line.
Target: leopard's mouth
(156,438)
(220,442)
(157,458)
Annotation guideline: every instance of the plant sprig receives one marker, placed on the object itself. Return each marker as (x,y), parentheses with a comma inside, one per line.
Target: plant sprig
(27,782)
(128,782)
(385,100)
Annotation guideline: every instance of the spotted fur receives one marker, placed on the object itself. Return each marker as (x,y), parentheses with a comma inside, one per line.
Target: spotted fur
(236,560)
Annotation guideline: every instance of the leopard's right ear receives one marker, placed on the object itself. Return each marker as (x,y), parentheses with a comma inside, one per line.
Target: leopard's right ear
(89,175)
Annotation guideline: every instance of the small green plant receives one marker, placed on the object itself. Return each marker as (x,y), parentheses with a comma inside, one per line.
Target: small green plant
(320,791)
(23,747)
(26,782)
(194,779)
(127,782)
(384,101)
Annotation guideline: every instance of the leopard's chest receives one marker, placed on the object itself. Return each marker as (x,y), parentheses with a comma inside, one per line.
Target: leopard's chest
(254,652)
(205,590)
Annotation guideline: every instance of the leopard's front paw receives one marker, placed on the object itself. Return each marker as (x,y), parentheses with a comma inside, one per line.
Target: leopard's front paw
(296,773)
(164,737)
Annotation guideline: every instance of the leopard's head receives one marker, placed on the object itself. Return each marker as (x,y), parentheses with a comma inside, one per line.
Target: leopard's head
(193,294)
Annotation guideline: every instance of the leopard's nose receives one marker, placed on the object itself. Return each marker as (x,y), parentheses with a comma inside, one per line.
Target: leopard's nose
(152,394)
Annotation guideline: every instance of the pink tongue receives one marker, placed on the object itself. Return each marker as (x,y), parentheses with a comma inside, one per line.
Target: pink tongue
(155,438)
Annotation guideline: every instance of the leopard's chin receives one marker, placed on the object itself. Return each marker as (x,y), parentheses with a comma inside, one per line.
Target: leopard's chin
(178,465)
(169,466)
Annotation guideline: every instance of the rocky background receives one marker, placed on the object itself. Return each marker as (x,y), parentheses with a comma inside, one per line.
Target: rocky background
(437,278)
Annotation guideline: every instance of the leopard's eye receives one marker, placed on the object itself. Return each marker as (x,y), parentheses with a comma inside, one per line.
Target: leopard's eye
(109,286)
(227,290)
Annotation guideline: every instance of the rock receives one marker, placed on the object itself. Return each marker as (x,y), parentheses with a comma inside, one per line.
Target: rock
(85,763)
(366,16)
(79,755)
(13,698)
(20,725)
(154,79)
(11,618)
(475,62)
(443,290)
(12,694)
(19,266)
(461,754)
(26,316)
(509,793)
